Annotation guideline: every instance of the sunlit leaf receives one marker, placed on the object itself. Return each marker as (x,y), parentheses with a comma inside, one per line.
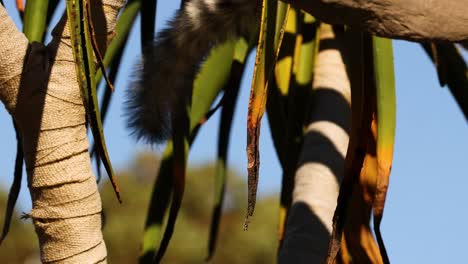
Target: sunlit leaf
(279,87)
(360,119)
(358,239)
(386,122)
(370,67)
(277,107)
(267,55)
(35,17)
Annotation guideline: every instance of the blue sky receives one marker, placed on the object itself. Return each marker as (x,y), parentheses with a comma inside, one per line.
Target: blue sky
(424,217)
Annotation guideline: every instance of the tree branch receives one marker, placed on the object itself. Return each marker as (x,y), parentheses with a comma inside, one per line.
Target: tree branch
(415,20)
(44,99)
(13,49)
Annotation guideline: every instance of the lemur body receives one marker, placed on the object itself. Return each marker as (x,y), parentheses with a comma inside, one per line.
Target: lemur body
(164,81)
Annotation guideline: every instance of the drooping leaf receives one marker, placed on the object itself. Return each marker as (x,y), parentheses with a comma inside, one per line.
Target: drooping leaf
(279,87)
(95,47)
(386,122)
(114,52)
(160,199)
(122,29)
(266,57)
(231,91)
(439,63)
(35,16)
(369,157)
(456,72)
(180,149)
(53,4)
(78,16)
(212,77)
(15,186)
(358,187)
(277,110)
(113,58)
(105,102)
(358,240)
(360,119)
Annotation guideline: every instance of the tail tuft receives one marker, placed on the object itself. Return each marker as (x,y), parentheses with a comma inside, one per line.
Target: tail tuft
(164,79)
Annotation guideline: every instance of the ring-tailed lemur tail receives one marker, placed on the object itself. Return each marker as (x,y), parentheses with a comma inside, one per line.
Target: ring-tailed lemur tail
(164,81)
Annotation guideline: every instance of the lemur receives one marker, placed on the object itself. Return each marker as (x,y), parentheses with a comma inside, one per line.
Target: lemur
(164,79)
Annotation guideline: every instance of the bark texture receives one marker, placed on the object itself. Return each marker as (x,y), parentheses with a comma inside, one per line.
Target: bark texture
(322,159)
(415,20)
(39,87)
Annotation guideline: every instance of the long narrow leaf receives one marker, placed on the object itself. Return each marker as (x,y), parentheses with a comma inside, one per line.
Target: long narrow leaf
(231,90)
(360,119)
(122,29)
(160,199)
(358,239)
(105,102)
(456,72)
(376,136)
(181,142)
(53,4)
(279,88)
(15,186)
(93,104)
(35,17)
(112,58)
(181,147)
(84,60)
(386,121)
(94,45)
(212,77)
(267,55)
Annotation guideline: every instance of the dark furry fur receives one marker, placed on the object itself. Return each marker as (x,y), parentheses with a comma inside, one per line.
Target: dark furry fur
(165,77)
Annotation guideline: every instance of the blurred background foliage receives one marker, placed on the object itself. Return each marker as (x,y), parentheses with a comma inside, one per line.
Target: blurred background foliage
(21,245)
(124,223)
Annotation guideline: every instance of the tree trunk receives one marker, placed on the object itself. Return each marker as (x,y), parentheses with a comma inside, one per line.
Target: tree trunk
(39,87)
(415,20)
(322,159)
